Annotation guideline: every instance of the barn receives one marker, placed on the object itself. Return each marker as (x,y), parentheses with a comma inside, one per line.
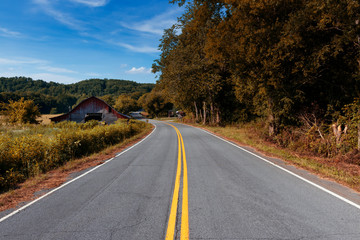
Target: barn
(91,108)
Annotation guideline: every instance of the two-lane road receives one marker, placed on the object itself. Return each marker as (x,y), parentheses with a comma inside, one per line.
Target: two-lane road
(231,194)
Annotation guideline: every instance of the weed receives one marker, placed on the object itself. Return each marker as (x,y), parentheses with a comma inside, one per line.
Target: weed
(30,150)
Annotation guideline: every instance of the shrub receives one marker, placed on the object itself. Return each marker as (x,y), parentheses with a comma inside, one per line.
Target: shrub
(39,149)
(22,111)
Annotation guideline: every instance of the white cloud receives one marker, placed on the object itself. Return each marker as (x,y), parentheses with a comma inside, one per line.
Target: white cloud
(140,70)
(92,3)
(56,69)
(31,67)
(53,77)
(155,25)
(39,64)
(142,49)
(48,77)
(19,61)
(93,74)
(4,32)
(59,16)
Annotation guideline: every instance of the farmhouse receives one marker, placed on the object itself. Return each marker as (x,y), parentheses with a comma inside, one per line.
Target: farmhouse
(91,108)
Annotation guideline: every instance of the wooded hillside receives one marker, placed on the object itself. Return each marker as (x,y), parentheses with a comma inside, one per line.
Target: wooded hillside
(56,98)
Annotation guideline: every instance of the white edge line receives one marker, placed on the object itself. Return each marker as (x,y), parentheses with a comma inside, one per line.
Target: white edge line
(288,171)
(72,180)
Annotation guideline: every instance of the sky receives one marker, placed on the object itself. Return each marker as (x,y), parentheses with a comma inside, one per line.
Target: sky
(67,41)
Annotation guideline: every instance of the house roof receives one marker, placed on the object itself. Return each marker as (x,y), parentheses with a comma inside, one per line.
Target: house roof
(64,116)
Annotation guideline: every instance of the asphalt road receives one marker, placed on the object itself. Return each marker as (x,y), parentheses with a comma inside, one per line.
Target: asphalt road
(232,194)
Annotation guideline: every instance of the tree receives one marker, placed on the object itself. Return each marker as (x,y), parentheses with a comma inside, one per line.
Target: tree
(246,44)
(272,59)
(108,99)
(60,96)
(284,56)
(193,82)
(22,111)
(155,103)
(125,104)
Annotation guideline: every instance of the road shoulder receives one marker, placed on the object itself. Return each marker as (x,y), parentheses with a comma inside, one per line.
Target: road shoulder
(337,187)
(37,186)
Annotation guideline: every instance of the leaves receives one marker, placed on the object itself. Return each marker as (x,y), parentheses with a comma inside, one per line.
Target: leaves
(21,112)
(126,104)
(156,103)
(188,77)
(35,150)
(276,57)
(58,97)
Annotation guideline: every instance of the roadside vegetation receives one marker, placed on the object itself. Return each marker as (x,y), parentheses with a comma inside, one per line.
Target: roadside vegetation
(344,169)
(29,150)
(281,73)
(290,63)
(54,98)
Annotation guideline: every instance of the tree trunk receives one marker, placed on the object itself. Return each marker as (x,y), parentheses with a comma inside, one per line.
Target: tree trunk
(271,124)
(196,112)
(204,114)
(212,117)
(338,132)
(272,119)
(217,116)
(358,132)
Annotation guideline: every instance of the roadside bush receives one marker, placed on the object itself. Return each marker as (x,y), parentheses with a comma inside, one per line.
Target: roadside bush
(29,153)
(20,112)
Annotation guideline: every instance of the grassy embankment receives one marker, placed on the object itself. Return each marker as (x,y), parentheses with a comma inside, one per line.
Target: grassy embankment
(335,168)
(31,150)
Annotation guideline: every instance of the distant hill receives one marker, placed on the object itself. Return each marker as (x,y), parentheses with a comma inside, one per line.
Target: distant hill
(57,98)
(91,87)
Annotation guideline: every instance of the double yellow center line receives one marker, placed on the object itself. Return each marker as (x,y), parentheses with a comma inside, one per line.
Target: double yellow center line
(184,233)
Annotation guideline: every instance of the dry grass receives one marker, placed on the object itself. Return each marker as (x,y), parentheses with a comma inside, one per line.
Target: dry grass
(28,189)
(2,120)
(171,119)
(145,114)
(45,118)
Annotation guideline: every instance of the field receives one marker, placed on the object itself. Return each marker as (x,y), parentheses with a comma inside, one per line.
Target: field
(29,150)
(45,118)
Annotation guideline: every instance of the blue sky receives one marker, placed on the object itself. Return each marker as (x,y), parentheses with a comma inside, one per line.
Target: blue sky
(67,41)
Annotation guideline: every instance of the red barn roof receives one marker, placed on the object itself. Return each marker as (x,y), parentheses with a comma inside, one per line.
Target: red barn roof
(92,105)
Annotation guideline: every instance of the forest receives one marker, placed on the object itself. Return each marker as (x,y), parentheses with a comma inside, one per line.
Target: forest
(291,65)
(56,98)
